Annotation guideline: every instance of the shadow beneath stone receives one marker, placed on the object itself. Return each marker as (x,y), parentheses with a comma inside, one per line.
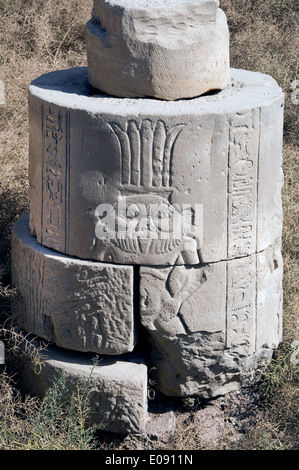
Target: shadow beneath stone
(13,204)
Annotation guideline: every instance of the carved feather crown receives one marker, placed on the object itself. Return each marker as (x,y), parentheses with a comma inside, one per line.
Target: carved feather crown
(146,150)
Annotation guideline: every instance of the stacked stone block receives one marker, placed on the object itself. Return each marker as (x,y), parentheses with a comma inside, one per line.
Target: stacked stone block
(209,291)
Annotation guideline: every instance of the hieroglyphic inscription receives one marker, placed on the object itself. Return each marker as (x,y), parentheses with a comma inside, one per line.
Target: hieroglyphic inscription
(146,150)
(241,305)
(55,178)
(242,183)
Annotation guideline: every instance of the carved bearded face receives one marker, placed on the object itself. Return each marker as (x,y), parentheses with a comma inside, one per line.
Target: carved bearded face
(144,226)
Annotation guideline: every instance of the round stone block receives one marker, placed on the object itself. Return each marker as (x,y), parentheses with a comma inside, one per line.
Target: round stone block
(163,49)
(150,182)
(214,327)
(76,304)
(117,387)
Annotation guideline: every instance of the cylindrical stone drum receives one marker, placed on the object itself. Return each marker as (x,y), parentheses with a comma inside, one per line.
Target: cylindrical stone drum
(188,192)
(114,180)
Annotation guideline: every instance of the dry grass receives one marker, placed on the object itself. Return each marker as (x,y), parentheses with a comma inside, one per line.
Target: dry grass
(42,36)
(264,38)
(39,37)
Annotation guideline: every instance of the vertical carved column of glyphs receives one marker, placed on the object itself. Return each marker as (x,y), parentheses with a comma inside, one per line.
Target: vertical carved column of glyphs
(55,178)
(243,163)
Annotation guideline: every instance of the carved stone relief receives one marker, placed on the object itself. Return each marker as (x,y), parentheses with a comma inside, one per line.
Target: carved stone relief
(206,323)
(195,154)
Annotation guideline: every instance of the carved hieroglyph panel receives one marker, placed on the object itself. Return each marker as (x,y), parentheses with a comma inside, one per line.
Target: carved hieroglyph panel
(243,163)
(55,174)
(241,305)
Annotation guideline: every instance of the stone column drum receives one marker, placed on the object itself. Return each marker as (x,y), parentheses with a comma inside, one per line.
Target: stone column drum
(214,326)
(220,154)
(162,213)
(163,49)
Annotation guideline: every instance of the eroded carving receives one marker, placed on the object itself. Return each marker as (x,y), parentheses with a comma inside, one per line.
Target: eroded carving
(54,215)
(241,305)
(162,295)
(242,183)
(141,227)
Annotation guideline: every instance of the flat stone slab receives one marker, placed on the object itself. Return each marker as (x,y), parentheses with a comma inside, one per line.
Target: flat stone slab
(77,304)
(117,386)
(163,49)
(212,327)
(100,163)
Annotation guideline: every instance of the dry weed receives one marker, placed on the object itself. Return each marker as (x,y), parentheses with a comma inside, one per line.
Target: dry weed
(264,38)
(290,197)
(21,346)
(38,37)
(14,410)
